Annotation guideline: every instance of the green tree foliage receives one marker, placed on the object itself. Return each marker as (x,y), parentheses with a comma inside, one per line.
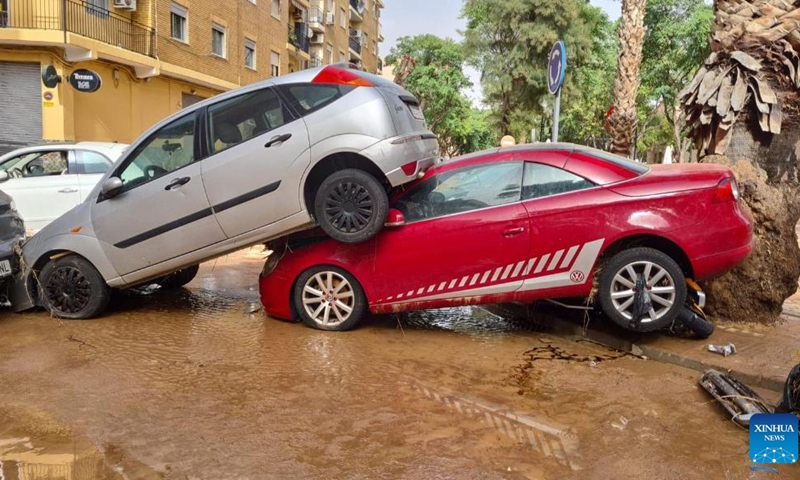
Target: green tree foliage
(675,46)
(509,42)
(438,80)
(584,110)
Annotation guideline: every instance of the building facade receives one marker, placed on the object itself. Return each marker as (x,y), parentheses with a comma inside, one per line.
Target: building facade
(155,57)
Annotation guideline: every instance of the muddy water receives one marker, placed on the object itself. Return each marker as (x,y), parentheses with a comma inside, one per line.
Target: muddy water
(187,385)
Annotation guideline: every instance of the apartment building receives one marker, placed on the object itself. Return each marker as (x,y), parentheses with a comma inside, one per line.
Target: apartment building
(154,57)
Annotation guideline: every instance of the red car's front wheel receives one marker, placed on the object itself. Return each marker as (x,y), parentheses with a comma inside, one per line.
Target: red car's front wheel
(329,298)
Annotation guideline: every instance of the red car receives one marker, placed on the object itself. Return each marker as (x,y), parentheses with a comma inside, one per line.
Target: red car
(521,224)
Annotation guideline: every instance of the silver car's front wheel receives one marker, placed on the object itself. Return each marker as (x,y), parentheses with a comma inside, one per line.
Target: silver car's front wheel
(639,277)
(329,298)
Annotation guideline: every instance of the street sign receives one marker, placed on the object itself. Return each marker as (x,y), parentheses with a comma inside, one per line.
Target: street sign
(85,81)
(556,67)
(50,77)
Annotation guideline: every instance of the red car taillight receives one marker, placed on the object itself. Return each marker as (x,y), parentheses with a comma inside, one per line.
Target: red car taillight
(727,191)
(409,168)
(341,76)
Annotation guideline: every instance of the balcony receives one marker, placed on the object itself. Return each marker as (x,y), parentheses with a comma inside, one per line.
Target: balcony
(355,47)
(298,36)
(380,32)
(357,11)
(315,62)
(315,19)
(80,18)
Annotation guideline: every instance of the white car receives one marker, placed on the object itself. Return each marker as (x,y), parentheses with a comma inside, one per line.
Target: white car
(47,181)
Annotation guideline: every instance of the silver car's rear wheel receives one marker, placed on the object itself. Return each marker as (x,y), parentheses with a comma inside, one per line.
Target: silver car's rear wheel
(351,206)
(620,289)
(328,298)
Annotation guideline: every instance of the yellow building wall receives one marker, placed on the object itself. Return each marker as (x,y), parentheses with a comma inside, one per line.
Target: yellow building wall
(119,111)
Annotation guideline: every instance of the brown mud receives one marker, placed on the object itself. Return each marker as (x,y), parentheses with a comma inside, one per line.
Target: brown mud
(187,385)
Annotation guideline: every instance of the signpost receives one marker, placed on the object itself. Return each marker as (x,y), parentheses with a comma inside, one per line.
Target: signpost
(556,69)
(50,76)
(85,81)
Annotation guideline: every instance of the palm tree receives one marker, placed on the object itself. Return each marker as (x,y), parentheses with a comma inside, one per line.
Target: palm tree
(623,121)
(743,103)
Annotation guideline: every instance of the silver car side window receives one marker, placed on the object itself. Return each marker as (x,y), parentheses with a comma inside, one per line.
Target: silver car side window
(243,118)
(167,150)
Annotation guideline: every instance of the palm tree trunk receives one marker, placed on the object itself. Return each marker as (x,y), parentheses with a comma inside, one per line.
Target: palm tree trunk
(623,121)
(744,111)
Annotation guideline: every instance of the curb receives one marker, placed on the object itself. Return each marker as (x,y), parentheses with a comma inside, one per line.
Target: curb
(568,323)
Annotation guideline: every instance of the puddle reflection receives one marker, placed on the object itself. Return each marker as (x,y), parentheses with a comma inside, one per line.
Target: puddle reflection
(548,439)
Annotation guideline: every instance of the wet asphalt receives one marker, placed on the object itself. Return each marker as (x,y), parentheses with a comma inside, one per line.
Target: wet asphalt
(190,385)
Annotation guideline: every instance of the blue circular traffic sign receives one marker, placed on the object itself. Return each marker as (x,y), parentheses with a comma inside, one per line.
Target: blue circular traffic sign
(556,67)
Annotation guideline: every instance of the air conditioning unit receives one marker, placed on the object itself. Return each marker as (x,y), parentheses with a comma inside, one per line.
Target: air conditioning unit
(125,4)
(317,39)
(330,18)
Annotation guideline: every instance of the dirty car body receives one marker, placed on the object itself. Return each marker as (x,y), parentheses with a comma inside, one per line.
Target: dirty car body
(12,233)
(231,171)
(521,224)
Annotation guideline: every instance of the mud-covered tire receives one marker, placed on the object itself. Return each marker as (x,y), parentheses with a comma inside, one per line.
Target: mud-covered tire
(700,327)
(178,279)
(351,206)
(613,291)
(71,288)
(322,295)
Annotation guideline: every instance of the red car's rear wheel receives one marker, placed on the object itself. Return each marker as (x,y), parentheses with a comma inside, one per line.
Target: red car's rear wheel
(619,289)
(329,298)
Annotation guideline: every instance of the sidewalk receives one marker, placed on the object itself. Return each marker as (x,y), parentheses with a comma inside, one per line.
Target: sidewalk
(765,354)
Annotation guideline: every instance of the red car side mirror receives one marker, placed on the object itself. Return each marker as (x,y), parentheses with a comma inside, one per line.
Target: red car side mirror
(395,218)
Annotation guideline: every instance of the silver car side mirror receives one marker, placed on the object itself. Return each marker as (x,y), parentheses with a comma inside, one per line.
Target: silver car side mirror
(111,187)
(4,176)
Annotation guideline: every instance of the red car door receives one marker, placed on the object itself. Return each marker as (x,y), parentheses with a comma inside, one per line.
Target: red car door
(569,221)
(466,235)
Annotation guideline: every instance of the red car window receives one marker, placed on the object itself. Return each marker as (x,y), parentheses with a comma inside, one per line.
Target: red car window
(463,190)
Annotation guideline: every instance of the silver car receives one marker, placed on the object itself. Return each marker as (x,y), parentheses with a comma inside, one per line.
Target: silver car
(319,146)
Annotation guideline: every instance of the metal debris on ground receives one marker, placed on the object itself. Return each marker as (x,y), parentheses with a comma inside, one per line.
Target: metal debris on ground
(741,401)
(252,307)
(724,350)
(756,468)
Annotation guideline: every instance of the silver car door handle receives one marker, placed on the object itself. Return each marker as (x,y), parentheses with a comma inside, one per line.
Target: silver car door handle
(68,190)
(278,139)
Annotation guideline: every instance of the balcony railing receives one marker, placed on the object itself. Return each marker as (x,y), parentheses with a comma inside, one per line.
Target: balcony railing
(355,44)
(81,18)
(315,62)
(298,36)
(315,15)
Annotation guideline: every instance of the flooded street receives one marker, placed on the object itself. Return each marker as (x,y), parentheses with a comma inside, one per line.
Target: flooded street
(187,384)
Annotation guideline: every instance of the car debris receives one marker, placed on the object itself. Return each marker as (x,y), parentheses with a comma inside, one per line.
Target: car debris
(742,402)
(724,350)
(12,234)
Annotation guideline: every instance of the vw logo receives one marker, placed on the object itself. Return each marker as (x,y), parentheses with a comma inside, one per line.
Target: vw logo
(577,276)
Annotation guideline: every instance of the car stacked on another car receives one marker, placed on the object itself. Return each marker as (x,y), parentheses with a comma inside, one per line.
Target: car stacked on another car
(324,146)
(522,224)
(48,180)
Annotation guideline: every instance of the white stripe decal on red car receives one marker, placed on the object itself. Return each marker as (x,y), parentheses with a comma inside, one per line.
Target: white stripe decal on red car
(583,263)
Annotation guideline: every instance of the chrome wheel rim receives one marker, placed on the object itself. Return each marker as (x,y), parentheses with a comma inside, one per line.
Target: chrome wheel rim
(660,288)
(68,290)
(349,207)
(328,298)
